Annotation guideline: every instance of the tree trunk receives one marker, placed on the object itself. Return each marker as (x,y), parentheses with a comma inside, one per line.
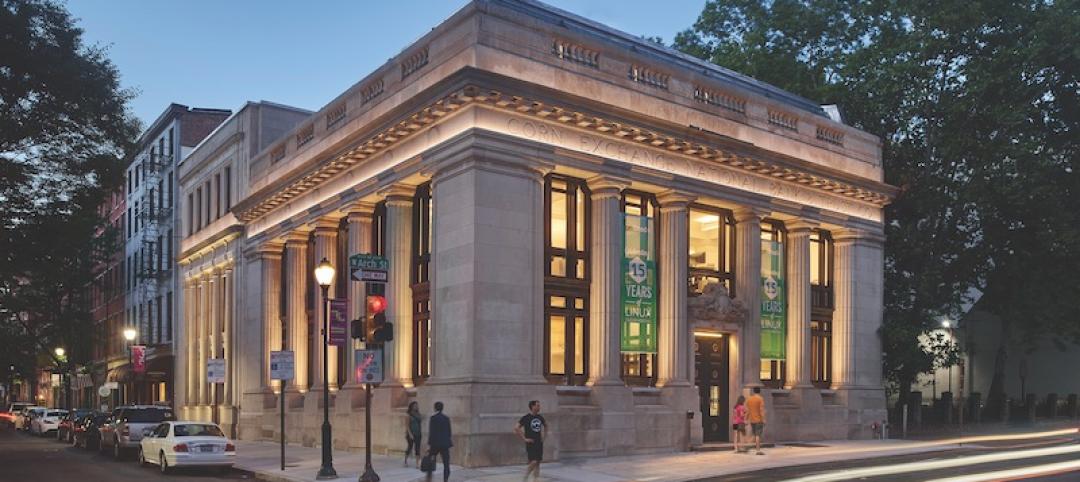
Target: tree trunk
(997,397)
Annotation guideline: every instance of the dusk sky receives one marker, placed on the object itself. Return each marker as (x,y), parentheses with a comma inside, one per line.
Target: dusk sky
(221,54)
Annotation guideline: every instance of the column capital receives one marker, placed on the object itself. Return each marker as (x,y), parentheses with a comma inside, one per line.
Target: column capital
(853,235)
(801,227)
(745,214)
(674,200)
(397,192)
(325,226)
(296,239)
(604,185)
(360,211)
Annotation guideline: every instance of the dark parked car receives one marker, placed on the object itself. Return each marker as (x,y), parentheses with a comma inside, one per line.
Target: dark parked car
(64,429)
(125,430)
(87,432)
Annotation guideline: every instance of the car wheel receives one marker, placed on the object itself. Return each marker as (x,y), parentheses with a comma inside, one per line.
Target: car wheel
(116,451)
(163,465)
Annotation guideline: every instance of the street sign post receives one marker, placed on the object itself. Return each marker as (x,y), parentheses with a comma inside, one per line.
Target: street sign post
(282,367)
(368,267)
(369,369)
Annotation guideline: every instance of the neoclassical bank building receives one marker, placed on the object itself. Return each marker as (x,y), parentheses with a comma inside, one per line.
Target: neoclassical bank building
(571,214)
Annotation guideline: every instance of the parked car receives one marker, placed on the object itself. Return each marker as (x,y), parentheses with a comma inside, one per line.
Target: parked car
(47,421)
(8,417)
(186,444)
(67,423)
(126,429)
(105,430)
(87,433)
(27,416)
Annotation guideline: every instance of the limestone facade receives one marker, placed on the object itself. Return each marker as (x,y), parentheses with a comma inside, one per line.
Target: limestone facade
(491,163)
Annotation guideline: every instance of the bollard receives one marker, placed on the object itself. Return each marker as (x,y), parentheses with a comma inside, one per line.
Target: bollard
(945,410)
(974,407)
(1030,405)
(1052,405)
(903,427)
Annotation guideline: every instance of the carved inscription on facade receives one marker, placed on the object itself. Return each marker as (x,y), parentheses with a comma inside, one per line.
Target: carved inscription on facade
(683,166)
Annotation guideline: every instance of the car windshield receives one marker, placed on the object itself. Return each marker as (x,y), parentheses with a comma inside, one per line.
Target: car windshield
(149,415)
(198,430)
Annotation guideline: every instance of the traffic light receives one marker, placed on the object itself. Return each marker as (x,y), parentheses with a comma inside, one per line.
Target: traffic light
(378,330)
(356,327)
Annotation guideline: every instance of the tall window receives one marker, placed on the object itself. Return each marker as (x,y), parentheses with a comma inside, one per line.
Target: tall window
(773,371)
(168,316)
(421,282)
(217,196)
(208,219)
(566,280)
(378,229)
(190,214)
(640,369)
(821,295)
(712,249)
(228,187)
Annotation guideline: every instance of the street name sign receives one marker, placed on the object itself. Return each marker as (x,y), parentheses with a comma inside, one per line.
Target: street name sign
(369,267)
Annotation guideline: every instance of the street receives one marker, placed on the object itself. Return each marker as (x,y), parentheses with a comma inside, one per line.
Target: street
(1028,460)
(42,459)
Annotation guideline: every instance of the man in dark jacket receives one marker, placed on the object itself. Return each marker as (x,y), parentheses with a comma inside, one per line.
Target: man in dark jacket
(439,439)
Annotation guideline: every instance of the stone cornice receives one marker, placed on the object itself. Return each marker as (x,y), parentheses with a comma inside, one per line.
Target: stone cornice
(264,201)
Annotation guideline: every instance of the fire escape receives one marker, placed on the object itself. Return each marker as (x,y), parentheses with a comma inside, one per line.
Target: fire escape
(156,267)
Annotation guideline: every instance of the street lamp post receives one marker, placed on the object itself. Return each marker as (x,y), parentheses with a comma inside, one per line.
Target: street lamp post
(324,274)
(64,380)
(129,335)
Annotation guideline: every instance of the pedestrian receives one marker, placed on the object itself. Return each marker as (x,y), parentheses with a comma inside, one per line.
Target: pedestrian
(738,421)
(532,428)
(756,408)
(439,440)
(412,432)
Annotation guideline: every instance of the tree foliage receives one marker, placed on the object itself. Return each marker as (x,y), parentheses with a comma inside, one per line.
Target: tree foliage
(64,128)
(976,103)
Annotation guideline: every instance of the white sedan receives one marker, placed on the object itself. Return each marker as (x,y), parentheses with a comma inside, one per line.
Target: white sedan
(46,421)
(186,444)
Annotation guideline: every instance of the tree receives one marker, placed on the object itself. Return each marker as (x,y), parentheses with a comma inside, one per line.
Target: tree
(64,128)
(976,104)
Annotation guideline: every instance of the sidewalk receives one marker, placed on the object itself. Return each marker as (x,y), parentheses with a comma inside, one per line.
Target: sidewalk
(302,463)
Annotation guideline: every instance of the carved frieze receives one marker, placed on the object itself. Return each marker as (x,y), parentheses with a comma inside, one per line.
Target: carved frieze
(713,308)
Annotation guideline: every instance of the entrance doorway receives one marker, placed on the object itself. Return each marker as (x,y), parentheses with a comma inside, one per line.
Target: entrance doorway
(711,360)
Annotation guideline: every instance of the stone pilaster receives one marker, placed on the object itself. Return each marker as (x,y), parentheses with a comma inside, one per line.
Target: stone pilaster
(398,354)
(360,220)
(674,333)
(203,338)
(191,350)
(857,313)
(296,287)
(214,325)
(325,247)
(228,334)
(606,259)
(748,289)
(269,258)
(798,292)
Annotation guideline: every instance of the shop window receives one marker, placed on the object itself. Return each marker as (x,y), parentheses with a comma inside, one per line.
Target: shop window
(566,280)
(421,282)
(711,243)
(640,369)
(821,295)
(774,370)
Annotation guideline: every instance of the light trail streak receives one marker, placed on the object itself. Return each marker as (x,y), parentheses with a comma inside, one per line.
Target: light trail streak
(1020,473)
(937,464)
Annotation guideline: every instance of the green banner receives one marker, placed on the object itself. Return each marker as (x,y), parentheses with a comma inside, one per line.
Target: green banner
(773,304)
(638,327)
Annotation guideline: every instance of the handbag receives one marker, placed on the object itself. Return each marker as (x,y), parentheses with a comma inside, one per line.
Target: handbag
(427,464)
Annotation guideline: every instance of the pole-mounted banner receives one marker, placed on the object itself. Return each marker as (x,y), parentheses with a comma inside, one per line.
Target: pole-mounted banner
(638,298)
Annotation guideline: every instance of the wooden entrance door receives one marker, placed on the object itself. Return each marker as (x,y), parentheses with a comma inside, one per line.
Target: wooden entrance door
(711,360)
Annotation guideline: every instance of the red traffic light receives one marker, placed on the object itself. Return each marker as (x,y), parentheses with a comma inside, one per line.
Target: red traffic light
(375,304)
